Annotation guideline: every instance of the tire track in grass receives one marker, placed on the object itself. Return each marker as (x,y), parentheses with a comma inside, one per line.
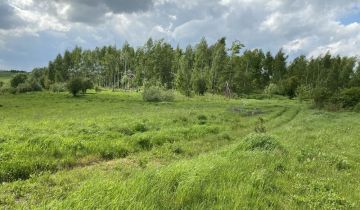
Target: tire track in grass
(286,117)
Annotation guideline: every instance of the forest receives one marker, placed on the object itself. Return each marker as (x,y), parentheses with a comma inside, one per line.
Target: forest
(218,69)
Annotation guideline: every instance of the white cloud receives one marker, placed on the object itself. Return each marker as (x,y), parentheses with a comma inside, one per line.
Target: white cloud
(299,27)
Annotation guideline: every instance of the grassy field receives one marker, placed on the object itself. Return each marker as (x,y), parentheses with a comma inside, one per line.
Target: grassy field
(112,150)
(5,76)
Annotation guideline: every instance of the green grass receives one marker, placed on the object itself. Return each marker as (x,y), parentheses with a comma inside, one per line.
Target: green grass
(112,150)
(5,76)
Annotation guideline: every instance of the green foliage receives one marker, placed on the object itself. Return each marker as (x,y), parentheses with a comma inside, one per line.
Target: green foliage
(320,96)
(184,76)
(304,92)
(271,90)
(1,84)
(98,89)
(290,86)
(200,86)
(202,68)
(6,89)
(58,87)
(157,94)
(75,86)
(262,142)
(321,195)
(18,79)
(86,84)
(23,88)
(350,97)
(357,108)
(260,127)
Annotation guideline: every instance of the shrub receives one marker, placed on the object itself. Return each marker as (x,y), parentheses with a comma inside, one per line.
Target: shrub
(168,95)
(35,85)
(18,79)
(157,94)
(98,89)
(350,97)
(303,92)
(152,94)
(23,88)
(75,85)
(1,84)
(271,90)
(356,108)
(6,89)
(320,96)
(86,84)
(58,87)
(200,86)
(290,85)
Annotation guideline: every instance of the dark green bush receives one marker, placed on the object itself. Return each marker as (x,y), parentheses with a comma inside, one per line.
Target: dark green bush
(18,79)
(86,84)
(320,96)
(290,85)
(75,86)
(350,97)
(1,84)
(200,86)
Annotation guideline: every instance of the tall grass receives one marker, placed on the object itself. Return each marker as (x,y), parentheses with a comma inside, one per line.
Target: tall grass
(114,151)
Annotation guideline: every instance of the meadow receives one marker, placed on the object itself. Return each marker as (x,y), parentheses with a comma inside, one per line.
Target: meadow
(5,76)
(112,150)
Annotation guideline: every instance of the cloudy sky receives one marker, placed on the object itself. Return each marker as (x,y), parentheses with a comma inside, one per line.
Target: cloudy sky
(33,31)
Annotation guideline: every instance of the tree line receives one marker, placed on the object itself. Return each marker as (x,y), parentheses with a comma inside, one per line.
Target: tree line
(204,68)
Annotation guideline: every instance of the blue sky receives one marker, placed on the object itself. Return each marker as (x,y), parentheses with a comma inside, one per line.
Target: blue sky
(32,32)
(352,16)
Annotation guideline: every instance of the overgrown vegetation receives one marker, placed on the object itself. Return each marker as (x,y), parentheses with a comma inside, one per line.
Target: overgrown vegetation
(157,94)
(107,149)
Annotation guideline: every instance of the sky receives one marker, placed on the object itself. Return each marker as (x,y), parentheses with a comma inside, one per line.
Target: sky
(32,32)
